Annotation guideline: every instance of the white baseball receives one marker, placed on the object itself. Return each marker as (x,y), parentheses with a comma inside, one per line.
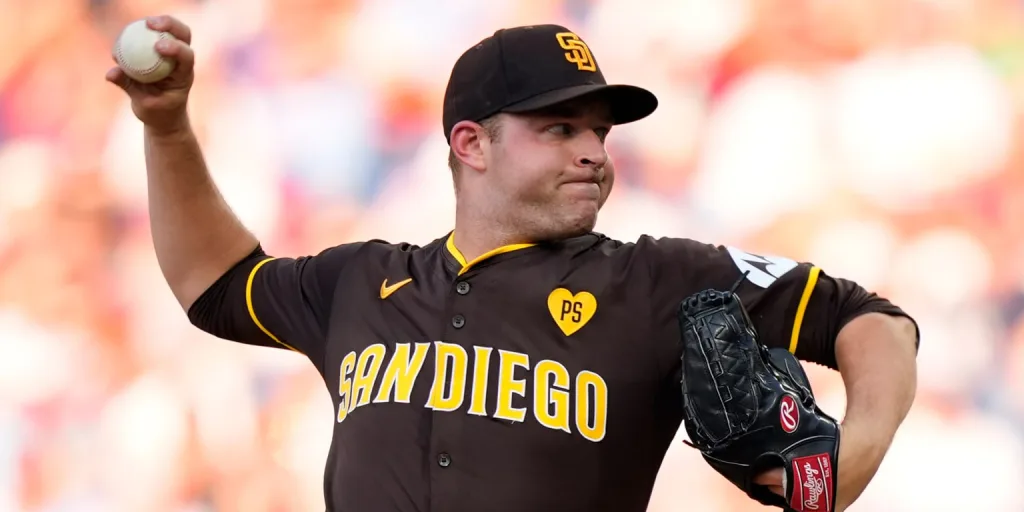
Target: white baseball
(135,53)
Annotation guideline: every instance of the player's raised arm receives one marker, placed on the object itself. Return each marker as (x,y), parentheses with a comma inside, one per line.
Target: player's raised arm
(196,235)
(214,266)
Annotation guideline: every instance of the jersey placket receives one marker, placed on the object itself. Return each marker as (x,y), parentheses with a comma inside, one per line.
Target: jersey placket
(446,424)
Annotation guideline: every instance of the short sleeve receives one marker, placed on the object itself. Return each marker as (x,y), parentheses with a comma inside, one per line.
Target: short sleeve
(793,305)
(276,302)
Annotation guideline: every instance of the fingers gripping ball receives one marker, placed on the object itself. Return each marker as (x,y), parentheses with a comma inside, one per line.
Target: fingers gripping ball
(136,54)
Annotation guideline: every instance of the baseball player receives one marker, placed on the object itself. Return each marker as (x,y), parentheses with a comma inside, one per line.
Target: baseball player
(520,361)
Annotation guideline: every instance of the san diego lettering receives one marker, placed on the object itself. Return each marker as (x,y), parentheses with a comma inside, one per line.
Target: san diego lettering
(552,385)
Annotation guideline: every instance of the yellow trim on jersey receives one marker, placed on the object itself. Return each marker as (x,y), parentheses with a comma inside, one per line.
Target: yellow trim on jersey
(252,311)
(812,279)
(450,245)
(454,251)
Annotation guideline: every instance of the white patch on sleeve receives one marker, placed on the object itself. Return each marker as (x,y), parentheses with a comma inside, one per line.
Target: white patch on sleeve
(762,270)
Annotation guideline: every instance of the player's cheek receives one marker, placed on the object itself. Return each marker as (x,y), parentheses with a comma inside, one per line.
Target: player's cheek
(541,190)
(606,187)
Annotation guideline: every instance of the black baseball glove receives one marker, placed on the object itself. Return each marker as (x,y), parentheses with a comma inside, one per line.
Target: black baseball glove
(749,408)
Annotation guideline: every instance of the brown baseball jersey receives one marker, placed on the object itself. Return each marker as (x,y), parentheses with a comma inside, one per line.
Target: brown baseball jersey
(536,377)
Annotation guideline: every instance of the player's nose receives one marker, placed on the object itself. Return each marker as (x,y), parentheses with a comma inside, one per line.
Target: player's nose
(591,152)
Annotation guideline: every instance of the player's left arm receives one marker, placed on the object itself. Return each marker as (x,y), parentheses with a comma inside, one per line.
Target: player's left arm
(872,342)
(823,319)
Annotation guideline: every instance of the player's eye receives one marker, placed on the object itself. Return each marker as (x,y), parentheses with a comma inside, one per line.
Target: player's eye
(602,133)
(562,129)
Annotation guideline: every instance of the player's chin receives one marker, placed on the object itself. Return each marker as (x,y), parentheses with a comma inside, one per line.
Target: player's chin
(581,218)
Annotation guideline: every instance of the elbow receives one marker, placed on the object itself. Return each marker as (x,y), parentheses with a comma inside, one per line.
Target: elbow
(190,288)
(880,340)
(906,336)
(905,332)
(207,310)
(877,356)
(895,329)
(188,291)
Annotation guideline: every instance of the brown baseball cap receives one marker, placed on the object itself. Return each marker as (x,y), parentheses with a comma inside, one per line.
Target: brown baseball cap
(522,69)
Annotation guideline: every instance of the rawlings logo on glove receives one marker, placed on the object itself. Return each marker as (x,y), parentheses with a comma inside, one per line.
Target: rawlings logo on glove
(814,483)
(749,408)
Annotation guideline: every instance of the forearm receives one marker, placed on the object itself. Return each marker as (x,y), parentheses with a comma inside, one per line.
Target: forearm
(877,359)
(195,234)
(876,355)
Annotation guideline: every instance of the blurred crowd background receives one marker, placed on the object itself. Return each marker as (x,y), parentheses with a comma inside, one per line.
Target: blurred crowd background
(880,139)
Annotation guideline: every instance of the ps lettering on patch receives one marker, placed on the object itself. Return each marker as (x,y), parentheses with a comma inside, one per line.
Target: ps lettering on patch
(571,311)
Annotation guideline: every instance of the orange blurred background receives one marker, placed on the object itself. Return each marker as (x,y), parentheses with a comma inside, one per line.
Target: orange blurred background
(880,139)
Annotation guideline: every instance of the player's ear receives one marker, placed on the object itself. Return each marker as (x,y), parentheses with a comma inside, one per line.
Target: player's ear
(468,142)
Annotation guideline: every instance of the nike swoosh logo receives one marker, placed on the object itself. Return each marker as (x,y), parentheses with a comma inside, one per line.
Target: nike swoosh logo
(386,290)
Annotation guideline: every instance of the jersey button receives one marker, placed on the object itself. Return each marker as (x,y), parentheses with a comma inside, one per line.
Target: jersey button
(462,288)
(458,321)
(444,460)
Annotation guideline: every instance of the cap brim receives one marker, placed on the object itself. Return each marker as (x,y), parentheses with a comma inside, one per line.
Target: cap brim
(628,103)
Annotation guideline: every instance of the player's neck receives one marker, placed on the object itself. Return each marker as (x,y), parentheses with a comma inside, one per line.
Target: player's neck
(472,244)
(475,236)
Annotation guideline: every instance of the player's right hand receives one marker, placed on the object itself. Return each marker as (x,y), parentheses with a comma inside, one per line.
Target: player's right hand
(161,106)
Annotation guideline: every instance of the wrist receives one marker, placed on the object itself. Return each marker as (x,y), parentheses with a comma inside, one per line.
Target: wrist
(862,446)
(174,129)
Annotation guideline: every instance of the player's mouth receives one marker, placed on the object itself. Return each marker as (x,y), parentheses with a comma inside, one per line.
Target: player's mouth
(583,189)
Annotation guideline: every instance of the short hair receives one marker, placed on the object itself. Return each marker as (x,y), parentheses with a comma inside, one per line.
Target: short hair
(491,126)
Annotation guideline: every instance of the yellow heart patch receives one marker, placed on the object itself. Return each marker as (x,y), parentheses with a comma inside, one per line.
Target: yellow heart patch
(571,312)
